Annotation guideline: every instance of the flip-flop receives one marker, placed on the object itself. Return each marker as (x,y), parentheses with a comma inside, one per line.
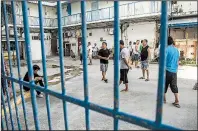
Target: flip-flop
(176,105)
(141,78)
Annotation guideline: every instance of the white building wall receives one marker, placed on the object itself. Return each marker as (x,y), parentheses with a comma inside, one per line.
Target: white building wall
(140,31)
(136,31)
(188,6)
(48,12)
(36,46)
(100,33)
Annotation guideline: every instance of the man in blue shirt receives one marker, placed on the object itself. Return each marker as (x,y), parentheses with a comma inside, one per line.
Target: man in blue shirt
(172,61)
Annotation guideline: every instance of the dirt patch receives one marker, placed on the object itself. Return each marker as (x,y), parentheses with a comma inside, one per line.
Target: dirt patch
(71,72)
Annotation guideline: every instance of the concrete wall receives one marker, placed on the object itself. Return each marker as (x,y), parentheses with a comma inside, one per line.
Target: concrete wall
(36,46)
(188,5)
(136,31)
(48,12)
(140,31)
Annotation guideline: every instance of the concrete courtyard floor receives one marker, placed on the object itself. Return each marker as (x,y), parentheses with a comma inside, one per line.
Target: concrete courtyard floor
(139,101)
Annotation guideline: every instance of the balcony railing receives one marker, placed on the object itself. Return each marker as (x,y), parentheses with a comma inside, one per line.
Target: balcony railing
(126,11)
(129,10)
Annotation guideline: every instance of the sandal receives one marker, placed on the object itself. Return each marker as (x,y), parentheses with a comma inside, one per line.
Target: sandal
(176,105)
(141,78)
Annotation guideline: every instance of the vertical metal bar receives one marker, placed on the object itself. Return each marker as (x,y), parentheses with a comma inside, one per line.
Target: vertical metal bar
(29,62)
(4,109)
(2,124)
(10,63)
(161,76)
(44,61)
(18,62)
(60,40)
(116,62)
(2,63)
(85,72)
(6,86)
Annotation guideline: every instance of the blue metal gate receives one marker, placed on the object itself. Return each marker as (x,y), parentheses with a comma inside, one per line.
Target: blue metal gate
(115,113)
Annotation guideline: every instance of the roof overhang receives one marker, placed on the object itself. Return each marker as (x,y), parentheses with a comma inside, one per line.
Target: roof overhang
(182,23)
(52,3)
(12,39)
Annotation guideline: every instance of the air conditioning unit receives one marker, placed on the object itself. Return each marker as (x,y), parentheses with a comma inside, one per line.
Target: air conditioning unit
(111,32)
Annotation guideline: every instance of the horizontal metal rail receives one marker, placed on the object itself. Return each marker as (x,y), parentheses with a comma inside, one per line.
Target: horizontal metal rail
(100,109)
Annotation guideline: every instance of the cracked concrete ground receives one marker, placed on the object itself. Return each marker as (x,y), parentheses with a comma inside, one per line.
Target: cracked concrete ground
(139,101)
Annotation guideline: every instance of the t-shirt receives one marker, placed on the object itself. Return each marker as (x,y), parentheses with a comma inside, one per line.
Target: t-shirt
(130,48)
(90,50)
(138,49)
(104,53)
(124,54)
(172,59)
(95,48)
(144,53)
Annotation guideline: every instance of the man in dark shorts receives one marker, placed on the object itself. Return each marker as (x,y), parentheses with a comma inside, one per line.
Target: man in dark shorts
(172,62)
(103,55)
(37,79)
(124,65)
(145,58)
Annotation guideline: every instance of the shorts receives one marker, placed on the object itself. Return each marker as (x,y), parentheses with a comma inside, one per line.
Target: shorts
(95,53)
(124,75)
(171,79)
(136,57)
(90,56)
(144,64)
(103,67)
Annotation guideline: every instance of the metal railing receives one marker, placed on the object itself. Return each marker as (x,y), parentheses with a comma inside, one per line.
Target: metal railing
(115,113)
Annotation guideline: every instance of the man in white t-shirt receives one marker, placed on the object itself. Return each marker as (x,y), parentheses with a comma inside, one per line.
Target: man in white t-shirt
(95,50)
(90,53)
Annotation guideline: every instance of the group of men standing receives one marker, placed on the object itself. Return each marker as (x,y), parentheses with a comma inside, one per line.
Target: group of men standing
(140,52)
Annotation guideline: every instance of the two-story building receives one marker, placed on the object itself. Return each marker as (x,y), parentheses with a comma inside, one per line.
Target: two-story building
(138,20)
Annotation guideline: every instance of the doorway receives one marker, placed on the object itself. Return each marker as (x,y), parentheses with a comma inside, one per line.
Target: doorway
(67,49)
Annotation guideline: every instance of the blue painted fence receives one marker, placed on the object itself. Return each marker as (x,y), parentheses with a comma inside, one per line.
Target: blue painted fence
(7,121)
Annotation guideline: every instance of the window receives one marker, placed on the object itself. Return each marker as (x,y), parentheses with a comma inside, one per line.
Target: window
(69,8)
(94,5)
